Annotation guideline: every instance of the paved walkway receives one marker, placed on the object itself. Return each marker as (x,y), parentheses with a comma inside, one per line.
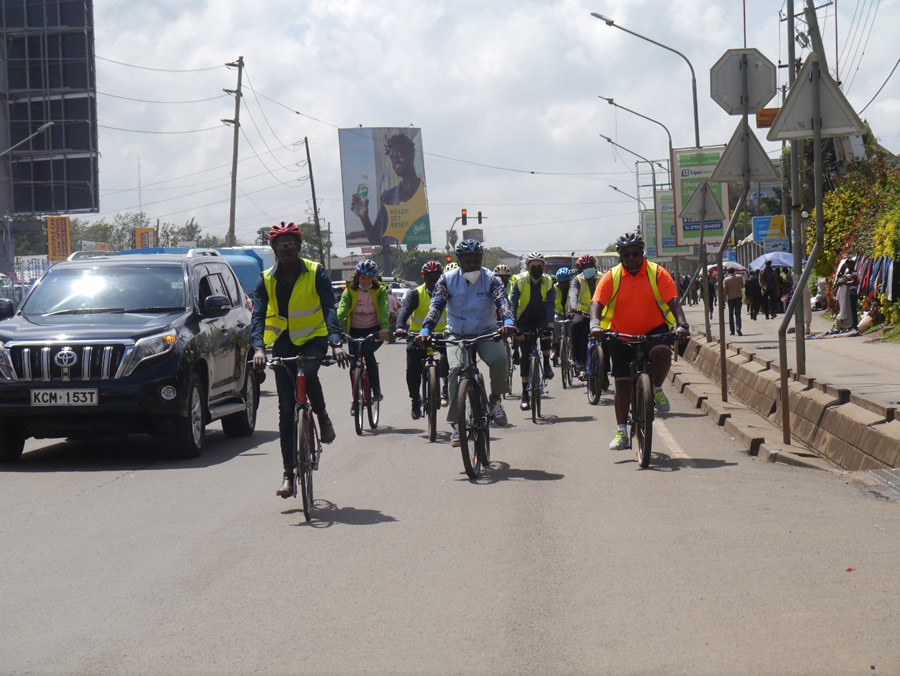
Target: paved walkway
(867,367)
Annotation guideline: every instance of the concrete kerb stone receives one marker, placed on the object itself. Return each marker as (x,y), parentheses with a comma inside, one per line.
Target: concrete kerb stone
(699,393)
(719,411)
(889,412)
(788,454)
(748,429)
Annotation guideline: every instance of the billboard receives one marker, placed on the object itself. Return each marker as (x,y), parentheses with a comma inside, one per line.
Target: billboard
(383,178)
(648,231)
(664,203)
(59,239)
(689,167)
(48,76)
(144,238)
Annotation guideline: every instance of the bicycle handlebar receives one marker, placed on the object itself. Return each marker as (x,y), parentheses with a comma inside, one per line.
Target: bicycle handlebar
(272,362)
(350,339)
(647,337)
(494,335)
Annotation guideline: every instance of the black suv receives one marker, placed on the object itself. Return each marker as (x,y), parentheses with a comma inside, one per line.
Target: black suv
(155,343)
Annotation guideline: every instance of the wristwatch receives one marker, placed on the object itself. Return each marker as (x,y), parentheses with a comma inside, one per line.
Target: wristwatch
(683,325)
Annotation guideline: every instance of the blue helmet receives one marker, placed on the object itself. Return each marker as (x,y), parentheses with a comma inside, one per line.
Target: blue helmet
(563,275)
(469,246)
(367,267)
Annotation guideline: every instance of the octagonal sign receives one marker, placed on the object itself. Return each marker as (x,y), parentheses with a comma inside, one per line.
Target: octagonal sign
(726,82)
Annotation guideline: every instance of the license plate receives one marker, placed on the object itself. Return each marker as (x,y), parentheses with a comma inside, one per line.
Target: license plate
(64,397)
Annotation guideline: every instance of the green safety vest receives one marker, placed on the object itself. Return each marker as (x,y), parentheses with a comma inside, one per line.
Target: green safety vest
(378,295)
(652,272)
(305,319)
(524,284)
(418,315)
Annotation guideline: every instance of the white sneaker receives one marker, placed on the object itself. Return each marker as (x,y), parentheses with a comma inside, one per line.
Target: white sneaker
(454,437)
(620,442)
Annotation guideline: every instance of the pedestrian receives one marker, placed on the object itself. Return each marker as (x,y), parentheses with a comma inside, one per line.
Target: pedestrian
(768,286)
(734,287)
(754,295)
(847,283)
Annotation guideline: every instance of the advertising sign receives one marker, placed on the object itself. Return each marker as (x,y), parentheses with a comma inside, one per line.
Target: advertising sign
(59,241)
(765,227)
(648,230)
(690,167)
(664,201)
(144,238)
(94,246)
(383,177)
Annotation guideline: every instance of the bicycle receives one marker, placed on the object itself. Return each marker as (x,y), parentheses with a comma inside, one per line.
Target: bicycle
(363,402)
(640,414)
(596,377)
(473,411)
(431,392)
(566,363)
(510,367)
(537,382)
(308,448)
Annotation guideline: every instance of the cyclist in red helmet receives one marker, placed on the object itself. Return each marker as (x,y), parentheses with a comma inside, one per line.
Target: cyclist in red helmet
(294,313)
(581,290)
(413,312)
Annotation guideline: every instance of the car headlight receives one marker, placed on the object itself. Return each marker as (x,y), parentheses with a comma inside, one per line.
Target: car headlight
(147,348)
(6,367)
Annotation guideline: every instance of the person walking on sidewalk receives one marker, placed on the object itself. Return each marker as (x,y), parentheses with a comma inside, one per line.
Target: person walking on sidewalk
(768,286)
(734,286)
(754,296)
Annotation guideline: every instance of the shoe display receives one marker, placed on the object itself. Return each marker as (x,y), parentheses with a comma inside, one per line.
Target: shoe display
(619,442)
(454,437)
(498,413)
(661,402)
(326,429)
(415,411)
(287,486)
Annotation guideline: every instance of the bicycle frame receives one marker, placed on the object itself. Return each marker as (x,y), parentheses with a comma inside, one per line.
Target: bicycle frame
(360,386)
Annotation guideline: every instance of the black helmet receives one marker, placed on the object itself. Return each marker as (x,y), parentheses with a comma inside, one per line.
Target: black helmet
(629,239)
(469,246)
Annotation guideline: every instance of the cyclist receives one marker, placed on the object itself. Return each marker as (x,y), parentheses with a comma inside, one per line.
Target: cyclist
(581,290)
(415,307)
(293,314)
(472,295)
(533,303)
(563,281)
(636,297)
(363,310)
(505,274)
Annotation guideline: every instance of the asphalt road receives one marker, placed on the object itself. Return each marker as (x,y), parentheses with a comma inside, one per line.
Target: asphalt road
(565,558)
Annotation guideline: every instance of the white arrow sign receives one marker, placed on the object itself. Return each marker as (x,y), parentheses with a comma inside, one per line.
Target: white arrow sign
(794,121)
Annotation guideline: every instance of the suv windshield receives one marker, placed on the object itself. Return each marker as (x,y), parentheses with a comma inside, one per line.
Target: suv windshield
(108,289)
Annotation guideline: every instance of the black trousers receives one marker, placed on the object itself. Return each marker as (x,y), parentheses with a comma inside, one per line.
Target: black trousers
(415,364)
(286,385)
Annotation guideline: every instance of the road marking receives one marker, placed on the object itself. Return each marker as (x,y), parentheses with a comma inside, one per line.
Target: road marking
(676,450)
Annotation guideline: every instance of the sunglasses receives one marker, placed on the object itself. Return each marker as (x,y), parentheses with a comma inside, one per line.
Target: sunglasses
(632,254)
(291,243)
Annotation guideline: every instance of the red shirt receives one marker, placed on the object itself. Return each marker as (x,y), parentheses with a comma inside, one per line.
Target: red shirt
(636,311)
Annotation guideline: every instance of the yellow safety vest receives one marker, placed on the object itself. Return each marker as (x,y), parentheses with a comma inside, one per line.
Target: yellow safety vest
(305,319)
(652,272)
(524,284)
(418,315)
(561,300)
(584,301)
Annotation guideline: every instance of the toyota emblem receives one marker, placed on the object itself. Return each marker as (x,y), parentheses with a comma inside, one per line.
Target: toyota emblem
(65,358)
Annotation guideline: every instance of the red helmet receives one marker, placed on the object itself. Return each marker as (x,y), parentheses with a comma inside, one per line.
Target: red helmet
(432,266)
(586,261)
(284,229)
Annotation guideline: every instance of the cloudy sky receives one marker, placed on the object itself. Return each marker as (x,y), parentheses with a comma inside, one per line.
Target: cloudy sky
(505,94)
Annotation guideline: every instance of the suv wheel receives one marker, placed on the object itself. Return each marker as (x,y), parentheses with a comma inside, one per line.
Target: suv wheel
(190,432)
(242,424)
(12,443)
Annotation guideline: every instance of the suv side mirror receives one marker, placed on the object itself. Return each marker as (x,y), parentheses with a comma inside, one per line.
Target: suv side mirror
(7,308)
(216,305)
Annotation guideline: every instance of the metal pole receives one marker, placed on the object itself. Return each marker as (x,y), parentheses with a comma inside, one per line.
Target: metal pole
(229,238)
(796,234)
(312,186)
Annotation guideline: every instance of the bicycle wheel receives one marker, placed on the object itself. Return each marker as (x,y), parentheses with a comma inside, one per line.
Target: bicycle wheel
(510,368)
(484,438)
(570,364)
(304,462)
(643,419)
(564,374)
(431,399)
(534,387)
(595,374)
(373,408)
(468,417)
(359,400)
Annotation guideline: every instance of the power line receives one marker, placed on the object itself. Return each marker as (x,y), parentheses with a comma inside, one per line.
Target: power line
(881,87)
(159,70)
(128,98)
(265,143)
(265,117)
(148,131)
(864,45)
(247,139)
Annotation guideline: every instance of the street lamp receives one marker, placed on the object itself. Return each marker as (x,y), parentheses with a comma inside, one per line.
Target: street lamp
(611,22)
(40,130)
(650,162)
(634,112)
(639,200)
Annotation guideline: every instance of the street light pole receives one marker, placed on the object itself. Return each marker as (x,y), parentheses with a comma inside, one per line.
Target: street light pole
(612,102)
(639,200)
(611,22)
(25,140)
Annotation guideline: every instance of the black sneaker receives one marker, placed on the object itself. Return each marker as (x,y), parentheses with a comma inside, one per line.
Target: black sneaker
(415,412)
(548,371)
(326,429)
(377,396)
(524,405)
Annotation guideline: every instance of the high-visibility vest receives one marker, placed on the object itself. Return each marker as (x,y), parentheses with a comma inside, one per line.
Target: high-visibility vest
(524,284)
(652,271)
(378,295)
(305,319)
(561,300)
(421,311)
(584,299)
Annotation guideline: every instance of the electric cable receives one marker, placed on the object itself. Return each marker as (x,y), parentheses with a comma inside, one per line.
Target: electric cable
(265,117)
(159,70)
(249,143)
(128,98)
(881,87)
(149,131)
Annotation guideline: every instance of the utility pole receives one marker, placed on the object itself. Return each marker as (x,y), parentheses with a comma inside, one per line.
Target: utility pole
(236,123)
(312,185)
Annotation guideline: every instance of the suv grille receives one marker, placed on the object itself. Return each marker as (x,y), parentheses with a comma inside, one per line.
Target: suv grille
(66,362)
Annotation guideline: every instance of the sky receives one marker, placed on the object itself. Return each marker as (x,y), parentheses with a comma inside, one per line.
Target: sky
(506,94)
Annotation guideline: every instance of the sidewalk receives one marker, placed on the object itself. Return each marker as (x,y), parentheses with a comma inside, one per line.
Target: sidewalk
(868,368)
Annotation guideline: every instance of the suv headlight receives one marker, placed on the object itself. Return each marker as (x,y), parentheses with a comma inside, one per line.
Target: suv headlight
(147,348)
(6,367)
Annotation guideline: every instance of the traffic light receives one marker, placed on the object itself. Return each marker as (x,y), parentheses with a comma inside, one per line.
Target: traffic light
(464,217)
(449,258)
(479,218)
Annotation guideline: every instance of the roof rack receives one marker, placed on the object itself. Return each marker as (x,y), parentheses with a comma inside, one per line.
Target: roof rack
(80,255)
(192,253)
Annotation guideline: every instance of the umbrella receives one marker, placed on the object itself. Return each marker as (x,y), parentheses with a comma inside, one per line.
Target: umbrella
(737,267)
(780,259)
